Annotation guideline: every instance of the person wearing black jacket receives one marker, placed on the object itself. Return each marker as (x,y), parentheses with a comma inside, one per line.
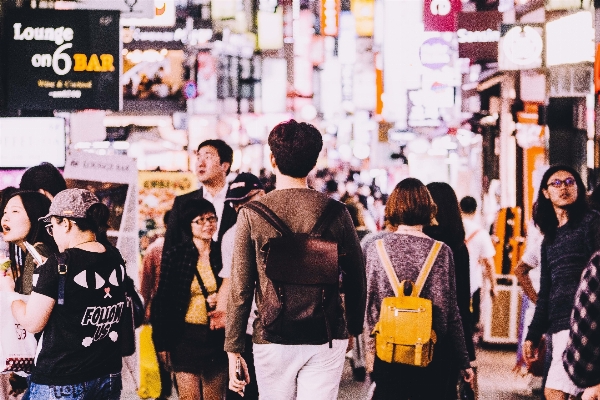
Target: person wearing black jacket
(450,230)
(213,164)
(187,291)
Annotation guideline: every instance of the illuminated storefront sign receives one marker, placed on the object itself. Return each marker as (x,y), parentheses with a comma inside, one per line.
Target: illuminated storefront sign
(364,14)
(570,39)
(435,53)
(62,59)
(440,15)
(569,4)
(164,15)
(330,13)
(521,46)
(478,35)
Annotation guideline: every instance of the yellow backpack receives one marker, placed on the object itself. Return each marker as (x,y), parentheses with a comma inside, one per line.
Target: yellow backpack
(403,333)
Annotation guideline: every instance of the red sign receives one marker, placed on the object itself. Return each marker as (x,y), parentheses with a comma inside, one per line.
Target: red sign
(440,15)
(330,16)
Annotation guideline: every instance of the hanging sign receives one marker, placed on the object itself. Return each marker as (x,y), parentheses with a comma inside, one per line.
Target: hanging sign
(521,46)
(478,35)
(440,15)
(65,60)
(330,15)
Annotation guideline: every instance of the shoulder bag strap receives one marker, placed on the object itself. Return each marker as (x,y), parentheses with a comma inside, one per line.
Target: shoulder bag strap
(202,286)
(62,259)
(326,218)
(268,215)
(387,265)
(433,253)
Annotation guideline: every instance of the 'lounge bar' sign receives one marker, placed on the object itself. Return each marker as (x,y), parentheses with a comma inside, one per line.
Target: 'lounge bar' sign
(62,60)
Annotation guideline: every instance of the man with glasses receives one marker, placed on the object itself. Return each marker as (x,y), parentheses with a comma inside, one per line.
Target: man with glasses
(571,237)
(213,163)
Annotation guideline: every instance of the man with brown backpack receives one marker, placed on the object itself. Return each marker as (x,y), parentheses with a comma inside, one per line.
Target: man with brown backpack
(300,251)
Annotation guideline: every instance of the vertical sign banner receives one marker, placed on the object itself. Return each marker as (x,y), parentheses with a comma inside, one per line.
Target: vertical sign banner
(330,14)
(440,15)
(65,60)
(364,14)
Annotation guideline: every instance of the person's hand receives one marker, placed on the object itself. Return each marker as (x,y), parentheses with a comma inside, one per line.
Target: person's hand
(469,376)
(217,319)
(7,283)
(236,385)
(212,300)
(165,359)
(369,361)
(591,393)
(529,352)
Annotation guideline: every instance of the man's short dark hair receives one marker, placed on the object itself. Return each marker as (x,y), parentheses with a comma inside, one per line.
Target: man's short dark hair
(468,205)
(224,151)
(296,147)
(44,176)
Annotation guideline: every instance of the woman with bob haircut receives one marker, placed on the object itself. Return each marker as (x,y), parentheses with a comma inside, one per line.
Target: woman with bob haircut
(410,208)
(571,236)
(180,311)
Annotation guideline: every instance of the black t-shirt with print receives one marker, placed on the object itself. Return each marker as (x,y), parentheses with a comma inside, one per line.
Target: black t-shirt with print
(80,341)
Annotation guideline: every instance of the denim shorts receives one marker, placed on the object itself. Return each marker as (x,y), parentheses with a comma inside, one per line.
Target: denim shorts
(107,387)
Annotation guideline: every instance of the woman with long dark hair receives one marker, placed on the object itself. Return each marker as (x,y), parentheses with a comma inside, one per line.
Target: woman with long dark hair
(571,237)
(410,208)
(20,224)
(450,230)
(77,307)
(187,292)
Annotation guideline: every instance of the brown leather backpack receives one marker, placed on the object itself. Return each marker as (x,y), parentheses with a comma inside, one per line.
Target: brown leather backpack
(302,300)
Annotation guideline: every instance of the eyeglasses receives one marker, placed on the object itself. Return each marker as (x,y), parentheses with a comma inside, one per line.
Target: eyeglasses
(557,183)
(200,221)
(50,229)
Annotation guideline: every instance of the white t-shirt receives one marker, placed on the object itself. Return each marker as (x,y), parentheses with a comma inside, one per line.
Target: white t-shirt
(480,246)
(227,246)
(532,254)
(218,201)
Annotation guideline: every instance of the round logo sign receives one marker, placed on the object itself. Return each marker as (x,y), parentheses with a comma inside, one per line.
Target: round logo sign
(435,53)
(523,45)
(190,90)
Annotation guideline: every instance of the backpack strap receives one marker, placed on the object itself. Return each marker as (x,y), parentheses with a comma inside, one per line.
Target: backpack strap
(433,253)
(326,218)
(268,215)
(387,265)
(472,236)
(62,259)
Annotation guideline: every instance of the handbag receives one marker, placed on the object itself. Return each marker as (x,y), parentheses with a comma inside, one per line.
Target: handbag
(150,382)
(17,346)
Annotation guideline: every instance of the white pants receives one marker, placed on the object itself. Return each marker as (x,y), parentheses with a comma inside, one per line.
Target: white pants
(303,372)
(558,379)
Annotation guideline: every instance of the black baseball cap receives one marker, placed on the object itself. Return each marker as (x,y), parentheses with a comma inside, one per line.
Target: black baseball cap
(241,187)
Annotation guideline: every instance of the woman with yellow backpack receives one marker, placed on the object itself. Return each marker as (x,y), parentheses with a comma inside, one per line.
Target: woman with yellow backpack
(412,311)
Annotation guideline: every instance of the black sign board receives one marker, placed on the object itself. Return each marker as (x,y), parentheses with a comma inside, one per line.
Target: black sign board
(61,60)
(478,35)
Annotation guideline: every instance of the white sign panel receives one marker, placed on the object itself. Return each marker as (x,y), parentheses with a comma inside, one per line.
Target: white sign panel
(570,39)
(128,8)
(25,142)
(521,47)
(92,167)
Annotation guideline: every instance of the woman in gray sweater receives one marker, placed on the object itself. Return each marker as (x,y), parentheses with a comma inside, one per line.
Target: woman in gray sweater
(410,208)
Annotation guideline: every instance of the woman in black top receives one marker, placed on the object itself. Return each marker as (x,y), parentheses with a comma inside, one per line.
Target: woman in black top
(79,351)
(450,230)
(180,311)
(571,236)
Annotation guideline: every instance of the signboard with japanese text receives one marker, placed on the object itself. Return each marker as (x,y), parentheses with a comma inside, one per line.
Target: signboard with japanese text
(478,35)
(440,15)
(62,60)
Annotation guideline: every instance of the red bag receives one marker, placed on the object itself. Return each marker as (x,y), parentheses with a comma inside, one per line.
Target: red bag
(536,368)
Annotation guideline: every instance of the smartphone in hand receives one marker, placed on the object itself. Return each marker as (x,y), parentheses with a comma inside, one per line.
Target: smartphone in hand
(239,371)
(34,253)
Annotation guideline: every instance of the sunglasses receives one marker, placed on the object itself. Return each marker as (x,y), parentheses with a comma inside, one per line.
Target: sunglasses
(201,221)
(557,183)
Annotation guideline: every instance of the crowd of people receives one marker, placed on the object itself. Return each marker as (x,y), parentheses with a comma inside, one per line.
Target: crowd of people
(261,291)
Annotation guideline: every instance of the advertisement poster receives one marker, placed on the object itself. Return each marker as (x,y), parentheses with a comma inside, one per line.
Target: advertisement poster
(157,192)
(62,59)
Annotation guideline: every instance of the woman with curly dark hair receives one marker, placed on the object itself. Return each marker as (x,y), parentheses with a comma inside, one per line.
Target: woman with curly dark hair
(571,236)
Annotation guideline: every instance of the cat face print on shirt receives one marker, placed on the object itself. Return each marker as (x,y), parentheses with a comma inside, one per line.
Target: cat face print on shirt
(103,317)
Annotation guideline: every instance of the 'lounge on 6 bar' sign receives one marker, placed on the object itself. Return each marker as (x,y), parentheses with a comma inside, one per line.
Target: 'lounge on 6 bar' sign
(61,60)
